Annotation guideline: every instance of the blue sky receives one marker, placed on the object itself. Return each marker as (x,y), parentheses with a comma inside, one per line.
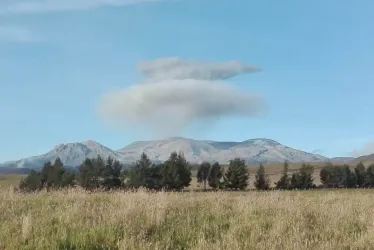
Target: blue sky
(56,63)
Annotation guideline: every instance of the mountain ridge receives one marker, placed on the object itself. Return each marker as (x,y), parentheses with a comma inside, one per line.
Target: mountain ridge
(253,151)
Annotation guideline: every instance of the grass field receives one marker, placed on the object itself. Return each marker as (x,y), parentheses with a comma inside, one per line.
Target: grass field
(74,219)
(7,181)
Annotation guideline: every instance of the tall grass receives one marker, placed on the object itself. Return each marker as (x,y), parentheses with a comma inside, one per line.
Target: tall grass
(75,219)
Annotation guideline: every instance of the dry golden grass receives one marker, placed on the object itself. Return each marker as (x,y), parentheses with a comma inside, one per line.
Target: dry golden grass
(75,219)
(7,181)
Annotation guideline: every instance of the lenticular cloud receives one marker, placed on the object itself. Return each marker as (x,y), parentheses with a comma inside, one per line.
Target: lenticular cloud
(174,68)
(179,92)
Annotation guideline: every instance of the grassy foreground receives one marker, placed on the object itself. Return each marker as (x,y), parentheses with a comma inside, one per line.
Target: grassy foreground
(74,219)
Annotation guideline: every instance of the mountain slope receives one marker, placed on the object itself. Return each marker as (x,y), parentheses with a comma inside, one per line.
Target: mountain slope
(71,154)
(342,159)
(254,151)
(365,158)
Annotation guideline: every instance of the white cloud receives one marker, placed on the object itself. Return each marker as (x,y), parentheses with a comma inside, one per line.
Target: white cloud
(36,6)
(175,97)
(175,68)
(16,34)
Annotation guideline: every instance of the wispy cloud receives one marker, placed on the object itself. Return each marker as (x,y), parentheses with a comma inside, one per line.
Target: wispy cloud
(16,34)
(367,149)
(37,6)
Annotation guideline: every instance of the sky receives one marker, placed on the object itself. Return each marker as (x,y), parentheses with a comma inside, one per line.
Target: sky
(118,71)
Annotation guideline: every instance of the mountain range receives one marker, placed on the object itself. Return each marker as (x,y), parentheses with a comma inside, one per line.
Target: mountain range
(253,151)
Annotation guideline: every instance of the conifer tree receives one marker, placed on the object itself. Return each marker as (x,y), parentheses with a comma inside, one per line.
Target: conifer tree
(112,173)
(285,180)
(370,176)
(139,174)
(360,174)
(261,179)
(176,173)
(237,175)
(203,173)
(215,176)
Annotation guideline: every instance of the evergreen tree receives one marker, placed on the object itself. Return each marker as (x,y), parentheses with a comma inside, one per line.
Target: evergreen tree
(295,180)
(138,175)
(303,179)
(285,180)
(327,176)
(203,173)
(98,170)
(50,177)
(306,176)
(57,172)
(237,175)
(262,181)
(215,176)
(112,174)
(67,179)
(154,180)
(86,174)
(349,179)
(176,172)
(46,175)
(33,182)
(370,176)
(360,174)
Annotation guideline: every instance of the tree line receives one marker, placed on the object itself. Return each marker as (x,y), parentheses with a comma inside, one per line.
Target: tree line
(175,174)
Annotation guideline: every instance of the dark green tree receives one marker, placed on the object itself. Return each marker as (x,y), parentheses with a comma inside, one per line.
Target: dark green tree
(138,174)
(295,180)
(370,176)
(46,175)
(50,177)
(67,179)
(112,174)
(237,175)
(349,177)
(215,176)
(262,181)
(58,171)
(33,182)
(306,176)
(203,173)
(285,180)
(303,179)
(86,174)
(154,180)
(360,174)
(176,173)
(327,175)
(98,171)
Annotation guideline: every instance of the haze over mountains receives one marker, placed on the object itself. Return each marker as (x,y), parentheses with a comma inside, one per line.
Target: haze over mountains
(253,151)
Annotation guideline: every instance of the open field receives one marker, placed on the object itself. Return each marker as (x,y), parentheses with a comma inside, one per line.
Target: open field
(7,181)
(74,219)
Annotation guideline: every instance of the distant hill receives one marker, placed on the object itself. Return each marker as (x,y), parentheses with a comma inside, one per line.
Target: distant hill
(253,151)
(10,170)
(342,159)
(71,154)
(365,158)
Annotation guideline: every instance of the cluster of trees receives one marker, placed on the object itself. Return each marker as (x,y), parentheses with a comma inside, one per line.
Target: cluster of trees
(52,176)
(97,173)
(175,174)
(334,176)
